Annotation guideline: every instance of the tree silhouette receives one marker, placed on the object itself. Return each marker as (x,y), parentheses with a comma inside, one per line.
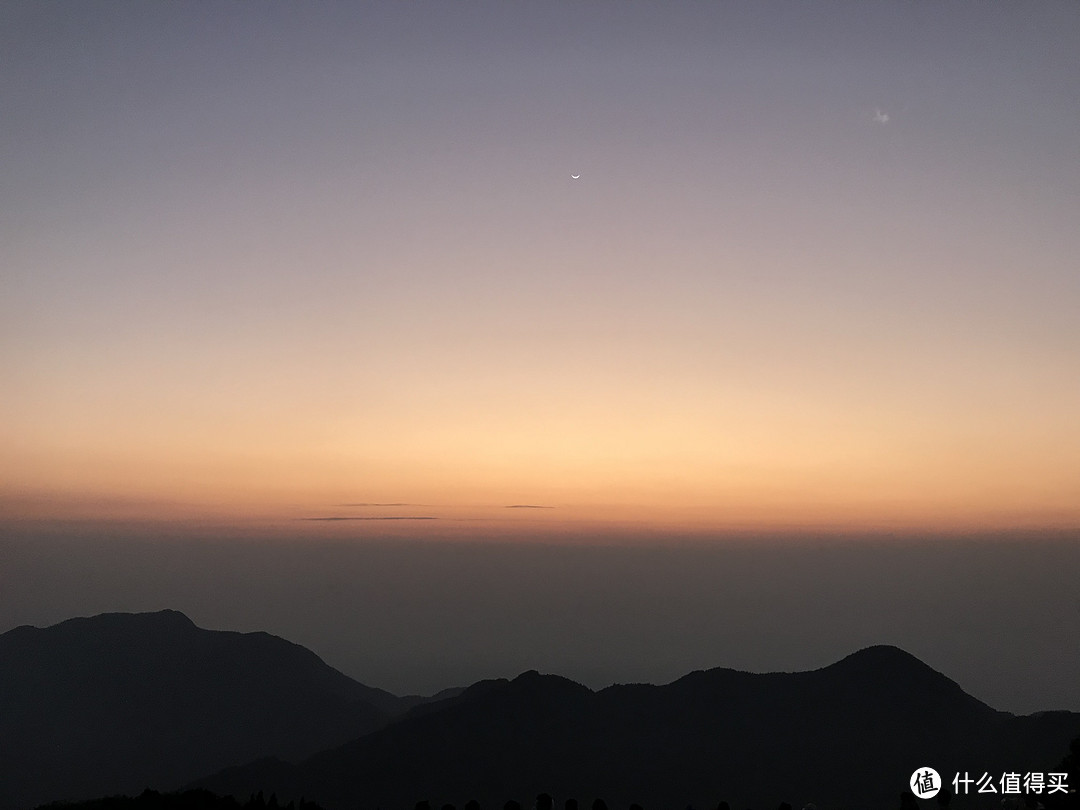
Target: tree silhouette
(184,800)
(1070,766)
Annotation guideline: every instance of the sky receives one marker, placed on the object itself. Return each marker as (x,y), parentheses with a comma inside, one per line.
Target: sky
(323,273)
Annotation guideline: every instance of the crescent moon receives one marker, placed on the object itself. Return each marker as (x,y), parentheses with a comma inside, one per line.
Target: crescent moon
(575,176)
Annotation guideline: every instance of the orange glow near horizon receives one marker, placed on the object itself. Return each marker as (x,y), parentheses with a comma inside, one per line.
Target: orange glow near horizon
(691,472)
(609,430)
(611,433)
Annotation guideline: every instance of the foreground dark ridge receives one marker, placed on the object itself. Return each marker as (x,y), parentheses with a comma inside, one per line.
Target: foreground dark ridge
(181,800)
(205,800)
(848,735)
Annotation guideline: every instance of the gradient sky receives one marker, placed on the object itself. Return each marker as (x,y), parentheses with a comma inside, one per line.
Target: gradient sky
(820,268)
(794,366)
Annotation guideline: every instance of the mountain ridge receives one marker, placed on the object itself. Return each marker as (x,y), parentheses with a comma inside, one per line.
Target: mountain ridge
(120,702)
(844,735)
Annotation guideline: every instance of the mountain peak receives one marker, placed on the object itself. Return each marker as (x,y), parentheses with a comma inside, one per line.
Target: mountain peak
(532,687)
(883,669)
(172,620)
(156,627)
(534,680)
(880,656)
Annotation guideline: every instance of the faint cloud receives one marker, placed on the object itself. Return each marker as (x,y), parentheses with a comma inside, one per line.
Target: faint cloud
(527,506)
(383,504)
(880,117)
(385,517)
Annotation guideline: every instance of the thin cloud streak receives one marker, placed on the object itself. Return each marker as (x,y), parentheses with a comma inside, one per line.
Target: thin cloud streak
(367,517)
(386,504)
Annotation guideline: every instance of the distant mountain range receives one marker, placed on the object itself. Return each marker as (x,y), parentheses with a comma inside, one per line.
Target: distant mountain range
(120,702)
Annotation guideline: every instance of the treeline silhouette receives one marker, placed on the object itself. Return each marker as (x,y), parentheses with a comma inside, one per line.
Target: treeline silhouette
(182,800)
(544,801)
(201,799)
(1070,764)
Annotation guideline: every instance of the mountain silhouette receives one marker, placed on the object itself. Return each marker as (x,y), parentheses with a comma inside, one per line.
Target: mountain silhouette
(119,702)
(849,734)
